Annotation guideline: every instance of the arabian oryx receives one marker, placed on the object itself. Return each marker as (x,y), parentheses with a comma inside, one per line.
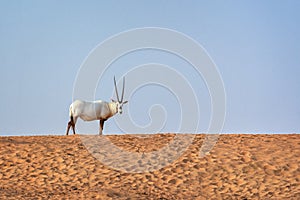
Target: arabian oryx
(95,110)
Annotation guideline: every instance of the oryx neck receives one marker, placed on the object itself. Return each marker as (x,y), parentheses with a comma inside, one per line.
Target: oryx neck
(113,107)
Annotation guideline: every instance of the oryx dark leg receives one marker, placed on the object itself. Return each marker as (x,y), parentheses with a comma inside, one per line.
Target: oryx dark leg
(73,127)
(101,126)
(71,123)
(69,126)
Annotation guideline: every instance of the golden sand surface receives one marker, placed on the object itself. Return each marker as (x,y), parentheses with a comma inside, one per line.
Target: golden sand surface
(238,167)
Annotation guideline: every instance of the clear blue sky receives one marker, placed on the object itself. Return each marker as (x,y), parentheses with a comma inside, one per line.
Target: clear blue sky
(255,44)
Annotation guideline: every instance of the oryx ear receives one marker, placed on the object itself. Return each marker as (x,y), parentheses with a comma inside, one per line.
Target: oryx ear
(125,102)
(113,100)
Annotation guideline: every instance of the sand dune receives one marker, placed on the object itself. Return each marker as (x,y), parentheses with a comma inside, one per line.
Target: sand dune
(238,167)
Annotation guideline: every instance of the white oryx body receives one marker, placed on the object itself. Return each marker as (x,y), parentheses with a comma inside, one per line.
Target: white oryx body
(95,110)
(92,110)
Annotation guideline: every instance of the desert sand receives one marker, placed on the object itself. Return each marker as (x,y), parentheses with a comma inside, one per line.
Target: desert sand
(238,167)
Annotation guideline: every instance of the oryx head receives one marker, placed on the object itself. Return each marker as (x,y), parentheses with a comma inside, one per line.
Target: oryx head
(119,102)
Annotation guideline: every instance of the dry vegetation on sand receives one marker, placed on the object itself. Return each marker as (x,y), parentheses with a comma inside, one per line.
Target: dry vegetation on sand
(238,167)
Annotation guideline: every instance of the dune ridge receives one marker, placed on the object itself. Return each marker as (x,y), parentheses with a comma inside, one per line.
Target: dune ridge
(238,167)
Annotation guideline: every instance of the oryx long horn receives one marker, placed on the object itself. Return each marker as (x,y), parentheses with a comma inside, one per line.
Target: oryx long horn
(116,89)
(123,89)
